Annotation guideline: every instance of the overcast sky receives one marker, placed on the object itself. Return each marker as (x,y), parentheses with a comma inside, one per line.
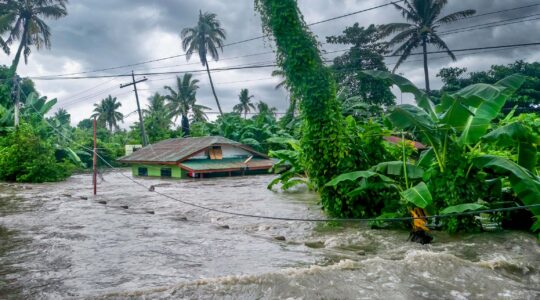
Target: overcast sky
(99,34)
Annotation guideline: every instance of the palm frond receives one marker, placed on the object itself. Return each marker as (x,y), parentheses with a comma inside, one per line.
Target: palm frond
(456,16)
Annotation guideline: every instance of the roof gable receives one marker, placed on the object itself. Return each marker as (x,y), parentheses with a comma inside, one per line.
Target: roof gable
(178,149)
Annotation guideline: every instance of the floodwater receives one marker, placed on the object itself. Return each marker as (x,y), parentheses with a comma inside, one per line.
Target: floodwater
(57,241)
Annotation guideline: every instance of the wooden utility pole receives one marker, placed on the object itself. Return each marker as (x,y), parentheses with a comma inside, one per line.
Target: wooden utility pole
(94,163)
(144,139)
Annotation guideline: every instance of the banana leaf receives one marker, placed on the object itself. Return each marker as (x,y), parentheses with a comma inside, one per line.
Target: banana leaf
(406,86)
(516,135)
(353,176)
(409,116)
(485,102)
(525,184)
(462,208)
(419,195)
(396,168)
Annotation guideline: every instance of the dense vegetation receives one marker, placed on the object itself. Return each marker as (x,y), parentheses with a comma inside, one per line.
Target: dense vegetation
(472,145)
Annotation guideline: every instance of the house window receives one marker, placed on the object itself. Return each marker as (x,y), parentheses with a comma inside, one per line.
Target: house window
(143,171)
(215,152)
(166,172)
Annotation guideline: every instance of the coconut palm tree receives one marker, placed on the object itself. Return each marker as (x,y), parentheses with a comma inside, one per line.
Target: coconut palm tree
(62,116)
(205,38)
(24,21)
(285,84)
(424,20)
(182,101)
(245,104)
(157,118)
(107,114)
(265,109)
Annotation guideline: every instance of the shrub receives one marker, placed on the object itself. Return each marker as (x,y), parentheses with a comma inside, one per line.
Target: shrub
(25,157)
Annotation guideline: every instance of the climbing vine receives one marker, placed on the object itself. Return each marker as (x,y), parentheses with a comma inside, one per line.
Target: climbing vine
(297,54)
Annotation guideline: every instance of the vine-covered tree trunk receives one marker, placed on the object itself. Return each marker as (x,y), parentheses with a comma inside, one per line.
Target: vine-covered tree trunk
(310,81)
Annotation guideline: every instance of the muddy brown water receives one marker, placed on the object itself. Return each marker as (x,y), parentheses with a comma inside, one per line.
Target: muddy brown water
(55,243)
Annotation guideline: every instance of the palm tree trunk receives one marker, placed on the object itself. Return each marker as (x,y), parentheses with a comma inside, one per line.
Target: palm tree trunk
(213,90)
(426,71)
(185,125)
(17,58)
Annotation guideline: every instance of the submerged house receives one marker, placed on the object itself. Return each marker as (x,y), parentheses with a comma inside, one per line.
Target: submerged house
(197,157)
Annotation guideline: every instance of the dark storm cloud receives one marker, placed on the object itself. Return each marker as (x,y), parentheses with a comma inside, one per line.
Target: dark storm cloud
(106,33)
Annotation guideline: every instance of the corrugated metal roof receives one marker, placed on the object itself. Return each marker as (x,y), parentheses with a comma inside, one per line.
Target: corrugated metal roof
(175,150)
(225,164)
(397,140)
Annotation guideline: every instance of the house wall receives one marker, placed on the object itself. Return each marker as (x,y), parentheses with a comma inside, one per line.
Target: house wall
(155,170)
(228,152)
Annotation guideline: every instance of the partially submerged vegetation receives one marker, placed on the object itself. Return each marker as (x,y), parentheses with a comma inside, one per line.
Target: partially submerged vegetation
(480,132)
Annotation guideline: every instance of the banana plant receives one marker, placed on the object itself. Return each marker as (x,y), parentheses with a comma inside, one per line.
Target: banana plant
(461,121)
(289,167)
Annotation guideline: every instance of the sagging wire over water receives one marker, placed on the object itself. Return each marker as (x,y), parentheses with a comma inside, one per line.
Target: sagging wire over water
(278,218)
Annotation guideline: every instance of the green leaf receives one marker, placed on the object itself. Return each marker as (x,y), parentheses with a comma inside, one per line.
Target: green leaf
(353,176)
(485,102)
(518,136)
(409,116)
(525,184)
(396,168)
(427,158)
(461,208)
(406,86)
(418,195)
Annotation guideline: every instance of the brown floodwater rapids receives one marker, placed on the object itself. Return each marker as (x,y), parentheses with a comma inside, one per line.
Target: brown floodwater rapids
(58,241)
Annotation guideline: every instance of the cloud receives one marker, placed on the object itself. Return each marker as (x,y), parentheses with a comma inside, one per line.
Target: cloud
(102,33)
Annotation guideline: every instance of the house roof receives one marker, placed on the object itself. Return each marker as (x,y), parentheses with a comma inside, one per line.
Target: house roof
(197,165)
(397,140)
(175,150)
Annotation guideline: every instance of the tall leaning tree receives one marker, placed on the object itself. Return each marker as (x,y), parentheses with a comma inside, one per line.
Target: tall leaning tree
(24,20)
(424,17)
(205,39)
(311,82)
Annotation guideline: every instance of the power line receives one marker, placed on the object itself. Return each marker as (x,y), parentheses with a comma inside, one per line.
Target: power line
(491,24)
(238,214)
(226,45)
(273,65)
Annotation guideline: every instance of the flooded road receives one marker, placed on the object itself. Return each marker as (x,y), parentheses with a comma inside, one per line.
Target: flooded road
(57,241)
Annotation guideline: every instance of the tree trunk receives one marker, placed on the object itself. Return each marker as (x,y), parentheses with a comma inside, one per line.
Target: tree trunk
(17,58)
(426,71)
(213,90)
(185,125)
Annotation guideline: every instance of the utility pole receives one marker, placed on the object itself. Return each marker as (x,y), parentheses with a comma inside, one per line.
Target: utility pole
(144,138)
(16,92)
(94,163)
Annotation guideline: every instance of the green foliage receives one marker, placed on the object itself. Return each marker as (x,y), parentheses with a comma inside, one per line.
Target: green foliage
(418,195)
(24,21)
(107,113)
(526,99)
(462,208)
(205,39)
(290,167)
(245,106)
(455,169)
(28,158)
(424,19)
(366,53)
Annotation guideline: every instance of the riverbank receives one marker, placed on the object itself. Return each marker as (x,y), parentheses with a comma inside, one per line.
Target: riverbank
(68,244)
